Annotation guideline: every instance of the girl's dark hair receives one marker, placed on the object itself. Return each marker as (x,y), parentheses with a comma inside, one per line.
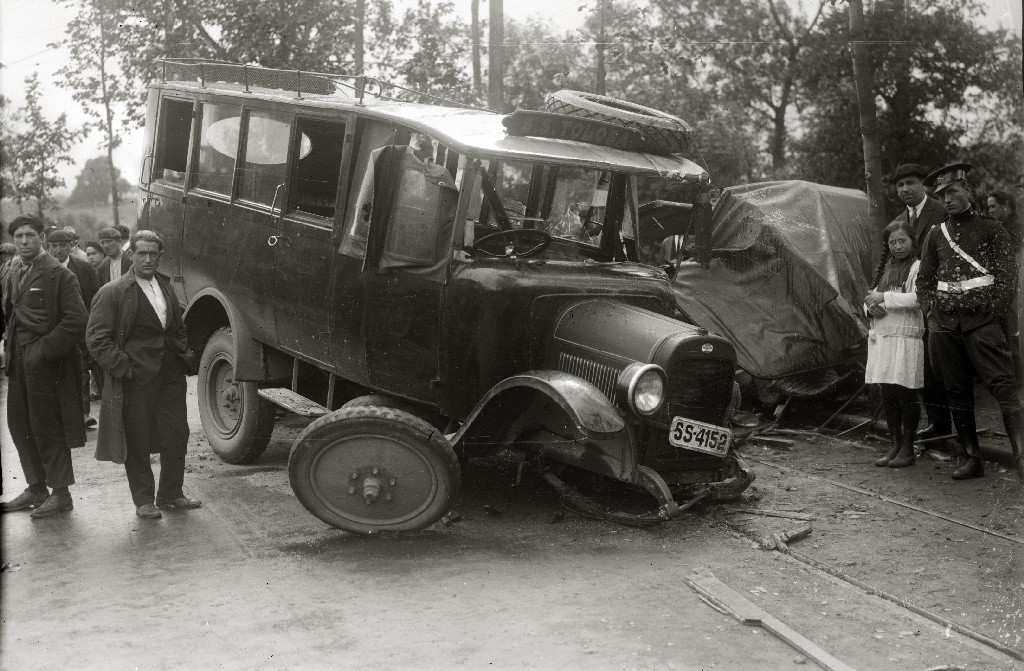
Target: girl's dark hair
(897,225)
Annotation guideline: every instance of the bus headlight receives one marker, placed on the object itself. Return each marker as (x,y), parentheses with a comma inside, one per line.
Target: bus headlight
(642,387)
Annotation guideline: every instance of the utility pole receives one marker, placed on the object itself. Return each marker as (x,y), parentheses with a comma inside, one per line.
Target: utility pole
(496,57)
(864,78)
(358,47)
(474,9)
(600,88)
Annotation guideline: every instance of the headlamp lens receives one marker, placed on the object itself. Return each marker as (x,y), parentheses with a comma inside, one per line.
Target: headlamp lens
(649,392)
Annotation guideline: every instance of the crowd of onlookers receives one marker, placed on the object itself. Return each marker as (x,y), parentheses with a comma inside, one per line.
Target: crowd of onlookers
(943,313)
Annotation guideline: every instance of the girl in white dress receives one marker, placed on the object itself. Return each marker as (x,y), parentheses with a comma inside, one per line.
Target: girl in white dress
(895,345)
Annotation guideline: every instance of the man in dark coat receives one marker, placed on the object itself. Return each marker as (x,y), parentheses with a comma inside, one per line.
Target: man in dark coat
(61,243)
(965,285)
(117,262)
(923,212)
(137,334)
(46,319)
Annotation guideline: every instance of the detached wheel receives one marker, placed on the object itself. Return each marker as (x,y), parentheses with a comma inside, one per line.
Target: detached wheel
(663,133)
(237,422)
(367,469)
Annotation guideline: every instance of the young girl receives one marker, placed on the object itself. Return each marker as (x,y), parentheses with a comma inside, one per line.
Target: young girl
(895,345)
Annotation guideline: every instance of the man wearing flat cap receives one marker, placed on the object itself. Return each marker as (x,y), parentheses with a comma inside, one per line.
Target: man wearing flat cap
(60,244)
(965,285)
(117,262)
(923,212)
(46,319)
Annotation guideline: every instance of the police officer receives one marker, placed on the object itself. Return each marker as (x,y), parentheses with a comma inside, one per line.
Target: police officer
(965,285)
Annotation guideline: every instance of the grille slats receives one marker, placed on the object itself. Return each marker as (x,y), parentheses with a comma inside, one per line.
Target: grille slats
(700,388)
(600,375)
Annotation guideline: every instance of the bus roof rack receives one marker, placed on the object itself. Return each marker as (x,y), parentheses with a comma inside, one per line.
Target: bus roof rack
(209,72)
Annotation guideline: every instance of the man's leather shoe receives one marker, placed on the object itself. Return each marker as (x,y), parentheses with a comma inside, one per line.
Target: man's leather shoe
(148,511)
(90,422)
(54,504)
(931,431)
(180,502)
(27,499)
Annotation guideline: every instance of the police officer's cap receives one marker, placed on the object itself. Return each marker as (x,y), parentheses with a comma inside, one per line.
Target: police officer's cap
(943,177)
(907,170)
(61,236)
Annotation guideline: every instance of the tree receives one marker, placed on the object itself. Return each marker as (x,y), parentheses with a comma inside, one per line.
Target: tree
(539,61)
(92,74)
(38,148)
(952,91)
(92,185)
(496,57)
(11,170)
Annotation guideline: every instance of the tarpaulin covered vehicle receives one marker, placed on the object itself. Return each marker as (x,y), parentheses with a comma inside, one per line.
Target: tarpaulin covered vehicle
(790,265)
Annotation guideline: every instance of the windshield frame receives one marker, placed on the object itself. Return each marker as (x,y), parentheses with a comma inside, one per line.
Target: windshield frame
(481,205)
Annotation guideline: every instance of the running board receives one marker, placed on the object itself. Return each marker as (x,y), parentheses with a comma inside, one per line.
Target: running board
(293,402)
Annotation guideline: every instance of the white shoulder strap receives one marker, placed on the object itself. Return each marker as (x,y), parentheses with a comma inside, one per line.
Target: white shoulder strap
(964,255)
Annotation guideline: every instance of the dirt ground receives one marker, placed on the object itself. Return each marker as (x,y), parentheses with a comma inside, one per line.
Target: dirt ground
(252,581)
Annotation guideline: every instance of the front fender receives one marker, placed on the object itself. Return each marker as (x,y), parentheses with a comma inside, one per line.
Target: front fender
(591,413)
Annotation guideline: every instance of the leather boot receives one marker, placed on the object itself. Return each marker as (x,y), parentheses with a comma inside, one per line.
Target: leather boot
(896,446)
(967,435)
(905,457)
(1014,424)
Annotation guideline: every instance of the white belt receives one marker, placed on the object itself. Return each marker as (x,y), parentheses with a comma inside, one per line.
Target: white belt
(965,285)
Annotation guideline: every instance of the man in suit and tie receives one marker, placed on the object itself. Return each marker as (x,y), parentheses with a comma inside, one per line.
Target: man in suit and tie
(137,334)
(117,262)
(61,245)
(923,212)
(46,319)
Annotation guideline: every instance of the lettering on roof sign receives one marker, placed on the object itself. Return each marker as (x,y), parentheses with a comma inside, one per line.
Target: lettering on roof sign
(522,123)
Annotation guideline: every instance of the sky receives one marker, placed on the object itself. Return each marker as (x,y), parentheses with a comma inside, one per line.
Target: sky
(28,27)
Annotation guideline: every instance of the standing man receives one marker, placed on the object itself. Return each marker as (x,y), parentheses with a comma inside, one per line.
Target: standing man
(965,284)
(45,318)
(137,334)
(1002,206)
(76,251)
(117,262)
(61,244)
(923,212)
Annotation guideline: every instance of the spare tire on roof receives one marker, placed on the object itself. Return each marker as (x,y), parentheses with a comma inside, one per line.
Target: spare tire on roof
(663,133)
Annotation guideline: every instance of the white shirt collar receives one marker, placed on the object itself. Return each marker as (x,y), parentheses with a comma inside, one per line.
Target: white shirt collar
(66,261)
(916,209)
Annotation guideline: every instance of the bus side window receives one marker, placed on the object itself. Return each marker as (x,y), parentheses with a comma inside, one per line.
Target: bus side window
(173,140)
(218,146)
(266,151)
(314,188)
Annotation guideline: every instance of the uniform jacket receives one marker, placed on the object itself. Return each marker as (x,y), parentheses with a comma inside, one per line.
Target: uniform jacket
(110,325)
(46,315)
(103,270)
(984,239)
(932,214)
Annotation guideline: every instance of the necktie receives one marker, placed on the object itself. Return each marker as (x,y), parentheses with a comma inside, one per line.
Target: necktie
(912,218)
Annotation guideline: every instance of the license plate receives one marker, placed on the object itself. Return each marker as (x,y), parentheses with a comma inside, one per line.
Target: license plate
(694,435)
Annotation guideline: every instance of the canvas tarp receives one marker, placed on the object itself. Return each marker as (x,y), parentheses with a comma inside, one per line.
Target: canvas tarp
(791,265)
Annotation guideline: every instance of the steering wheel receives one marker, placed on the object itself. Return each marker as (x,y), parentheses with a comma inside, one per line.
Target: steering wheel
(542,237)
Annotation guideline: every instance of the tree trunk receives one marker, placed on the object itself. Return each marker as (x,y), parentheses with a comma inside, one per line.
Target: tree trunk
(474,7)
(108,119)
(864,78)
(496,57)
(600,88)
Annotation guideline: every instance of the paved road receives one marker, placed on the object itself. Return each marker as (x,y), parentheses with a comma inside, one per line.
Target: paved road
(252,581)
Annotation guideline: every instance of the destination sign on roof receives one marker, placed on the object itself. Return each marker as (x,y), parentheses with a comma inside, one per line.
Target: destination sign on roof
(563,127)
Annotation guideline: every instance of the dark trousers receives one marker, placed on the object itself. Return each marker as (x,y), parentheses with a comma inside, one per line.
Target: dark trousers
(983,352)
(155,420)
(936,405)
(34,419)
(902,411)
(86,401)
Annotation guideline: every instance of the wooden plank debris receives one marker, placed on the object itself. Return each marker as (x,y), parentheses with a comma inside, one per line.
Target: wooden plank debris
(748,613)
(768,512)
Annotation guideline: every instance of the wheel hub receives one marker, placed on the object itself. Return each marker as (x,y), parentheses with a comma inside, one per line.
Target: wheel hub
(373,484)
